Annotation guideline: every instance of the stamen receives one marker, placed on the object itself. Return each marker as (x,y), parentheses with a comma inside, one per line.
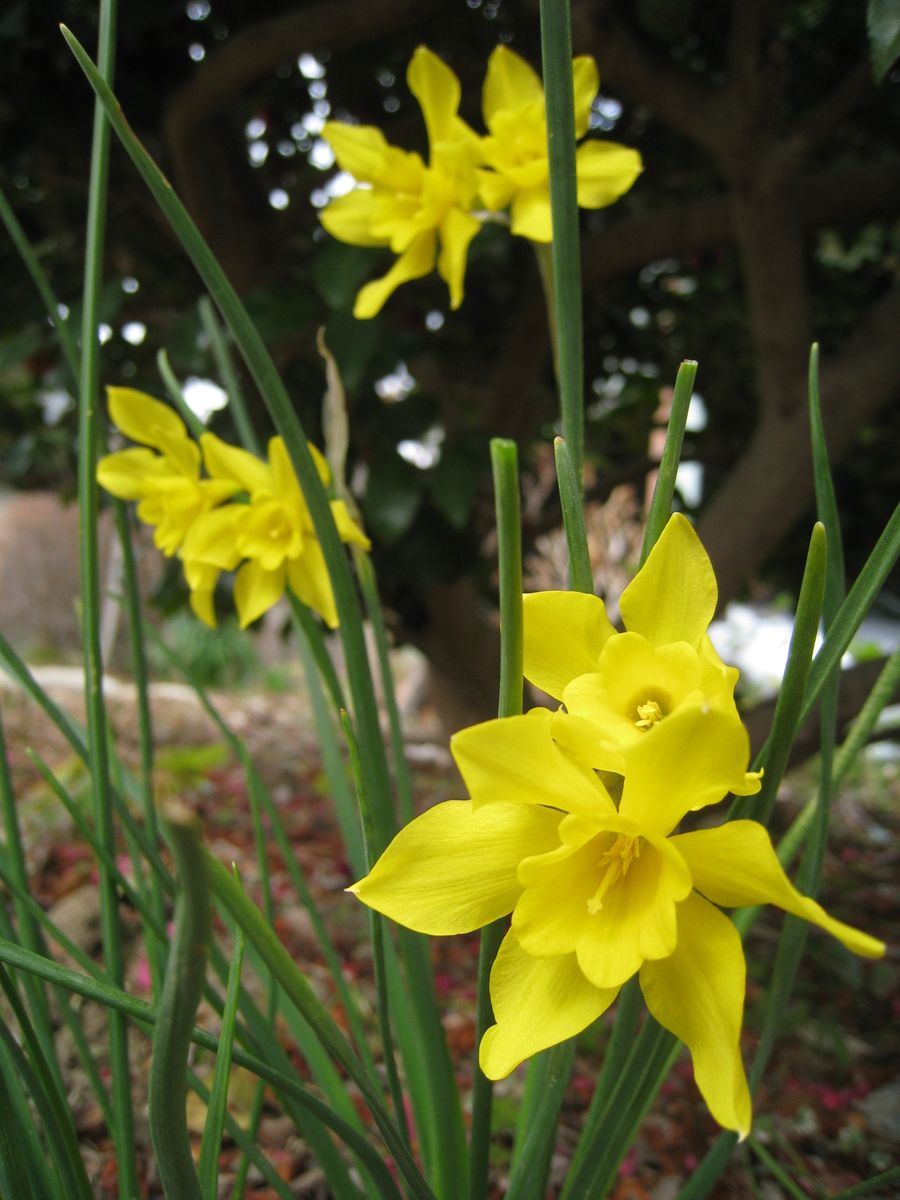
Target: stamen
(617,860)
(648,714)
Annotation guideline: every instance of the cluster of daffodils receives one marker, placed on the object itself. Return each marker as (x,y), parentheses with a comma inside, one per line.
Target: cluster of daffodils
(428,213)
(572,828)
(247,515)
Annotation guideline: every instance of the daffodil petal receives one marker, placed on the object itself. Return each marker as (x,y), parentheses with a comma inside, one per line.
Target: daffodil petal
(211,539)
(530,214)
(537,1002)
(598,742)
(144,419)
(360,150)
(585,86)
(736,864)
(203,607)
(415,262)
(437,90)
(673,596)
(515,759)
(125,474)
(453,869)
(311,583)
(239,466)
(697,993)
(509,84)
(564,633)
(457,230)
(349,218)
(495,190)
(256,590)
(347,528)
(691,759)
(604,172)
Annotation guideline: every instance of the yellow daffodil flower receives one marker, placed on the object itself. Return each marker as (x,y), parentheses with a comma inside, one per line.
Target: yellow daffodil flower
(422,211)
(516,147)
(599,892)
(274,533)
(618,688)
(164,479)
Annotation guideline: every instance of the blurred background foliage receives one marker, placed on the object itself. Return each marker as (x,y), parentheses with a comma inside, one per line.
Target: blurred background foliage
(767,215)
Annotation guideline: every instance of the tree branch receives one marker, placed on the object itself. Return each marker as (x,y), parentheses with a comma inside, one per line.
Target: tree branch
(845,195)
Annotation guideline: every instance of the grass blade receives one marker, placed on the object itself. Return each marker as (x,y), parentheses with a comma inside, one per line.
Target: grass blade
(217,1104)
(182,989)
(663,493)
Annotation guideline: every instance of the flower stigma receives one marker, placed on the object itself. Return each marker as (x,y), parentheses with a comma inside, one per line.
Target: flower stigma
(617,860)
(648,714)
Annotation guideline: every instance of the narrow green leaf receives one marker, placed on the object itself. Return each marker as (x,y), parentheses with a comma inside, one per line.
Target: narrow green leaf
(98,990)
(581,577)
(528,1177)
(299,992)
(789,707)
(88,443)
(225,367)
(15,1168)
(48,1098)
(217,1105)
(182,989)
(664,491)
(849,617)
(176,395)
(878,1183)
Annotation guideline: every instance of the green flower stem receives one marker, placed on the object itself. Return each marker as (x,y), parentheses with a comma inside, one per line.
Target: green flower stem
(301,995)
(645,1068)
(505,467)
(217,1105)
(788,709)
(101,992)
(309,626)
(132,601)
(182,989)
(283,414)
(365,573)
(42,284)
(531,1165)
(504,462)
(556,45)
(219,346)
(88,438)
(663,493)
(376,928)
(176,395)
(629,1006)
(581,577)
(311,648)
